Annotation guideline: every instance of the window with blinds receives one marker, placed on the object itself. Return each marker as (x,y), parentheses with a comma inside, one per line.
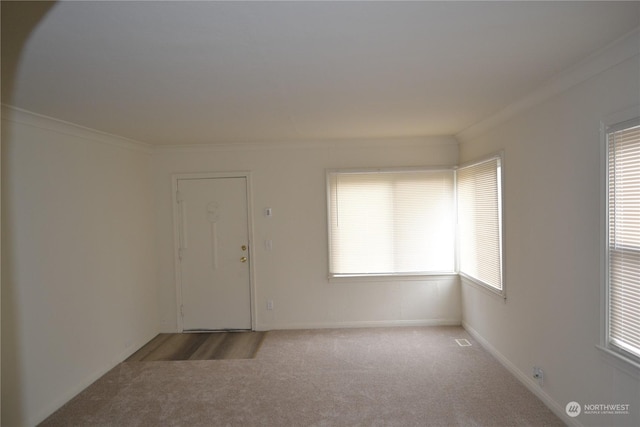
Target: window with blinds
(391,222)
(479,196)
(623,229)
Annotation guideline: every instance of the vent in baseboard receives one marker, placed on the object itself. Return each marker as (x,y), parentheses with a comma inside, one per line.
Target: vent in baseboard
(463,342)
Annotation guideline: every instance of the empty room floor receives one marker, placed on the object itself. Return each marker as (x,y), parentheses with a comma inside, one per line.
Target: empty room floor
(406,376)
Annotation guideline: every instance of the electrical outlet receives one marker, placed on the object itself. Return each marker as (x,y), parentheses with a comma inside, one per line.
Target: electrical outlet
(269,304)
(538,374)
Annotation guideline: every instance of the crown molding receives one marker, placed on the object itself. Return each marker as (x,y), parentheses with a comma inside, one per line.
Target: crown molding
(28,118)
(620,50)
(427,141)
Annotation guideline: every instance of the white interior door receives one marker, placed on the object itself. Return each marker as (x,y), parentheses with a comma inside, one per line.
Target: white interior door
(214,253)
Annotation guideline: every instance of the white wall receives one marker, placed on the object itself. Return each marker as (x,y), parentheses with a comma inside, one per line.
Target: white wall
(78,263)
(294,274)
(553,249)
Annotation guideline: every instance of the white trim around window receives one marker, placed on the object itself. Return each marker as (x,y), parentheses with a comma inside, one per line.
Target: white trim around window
(479,187)
(391,222)
(620,312)
(415,222)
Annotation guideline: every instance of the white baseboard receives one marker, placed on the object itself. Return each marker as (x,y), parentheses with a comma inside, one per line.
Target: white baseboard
(359,324)
(529,383)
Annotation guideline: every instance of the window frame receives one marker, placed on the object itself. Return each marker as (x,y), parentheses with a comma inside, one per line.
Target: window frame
(418,276)
(625,359)
(502,292)
(384,276)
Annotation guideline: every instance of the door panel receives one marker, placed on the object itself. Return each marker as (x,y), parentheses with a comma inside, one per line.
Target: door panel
(214,265)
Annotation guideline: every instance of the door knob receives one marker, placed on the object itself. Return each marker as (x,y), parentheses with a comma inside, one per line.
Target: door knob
(243,259)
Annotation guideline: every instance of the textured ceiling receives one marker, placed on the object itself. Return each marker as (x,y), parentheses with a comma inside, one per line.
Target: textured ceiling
(213,72)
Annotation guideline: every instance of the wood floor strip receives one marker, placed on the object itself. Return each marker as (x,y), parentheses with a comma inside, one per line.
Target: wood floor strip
(200,346)
(188,345)
(209,347)
(242,346)
(167,350)
(148,348)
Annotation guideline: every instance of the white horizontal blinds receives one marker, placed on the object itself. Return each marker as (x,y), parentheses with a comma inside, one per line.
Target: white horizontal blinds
(391,222)
(480,222)
(624,239)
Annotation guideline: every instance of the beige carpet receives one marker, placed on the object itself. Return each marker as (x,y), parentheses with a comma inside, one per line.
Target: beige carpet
(367,377)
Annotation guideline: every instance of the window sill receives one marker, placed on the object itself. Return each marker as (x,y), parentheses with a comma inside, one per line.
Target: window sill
(619,361)
(470,281)
(389,277)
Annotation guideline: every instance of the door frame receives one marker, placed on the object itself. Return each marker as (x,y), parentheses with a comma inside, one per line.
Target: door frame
(176,236)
